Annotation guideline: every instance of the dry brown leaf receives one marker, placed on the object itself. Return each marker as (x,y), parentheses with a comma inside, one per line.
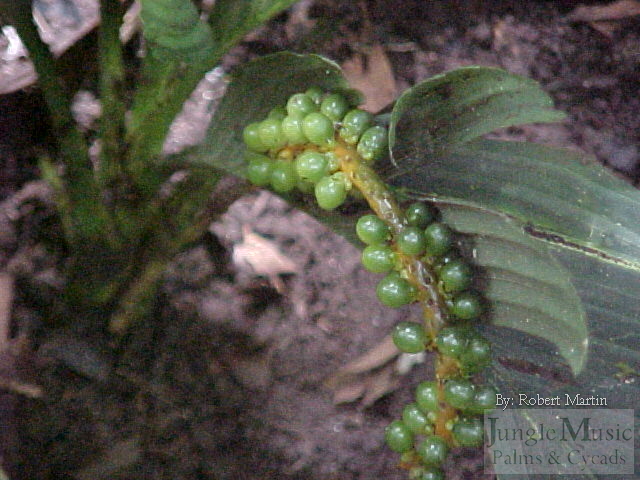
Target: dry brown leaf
(613,11)
(382,353)
(379,384)
(373,77)
(262,256)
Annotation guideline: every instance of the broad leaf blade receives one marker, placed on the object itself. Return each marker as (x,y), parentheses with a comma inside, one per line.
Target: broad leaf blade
(461,105)
(555,191)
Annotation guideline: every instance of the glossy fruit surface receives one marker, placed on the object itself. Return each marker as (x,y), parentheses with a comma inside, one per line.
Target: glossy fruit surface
(311,166)
(414,419)
(283,177)
(409,337)
(259,169)
(438,238)
(315,94)
(459,392)
(271,134)
(468,432)
(466,306)
(484,399)
(431,473)
(373,143)
(318,128)
(477,354)
(292,129)
(300,105)
(398,437)
(427,396)
(334,106)
(452,341)
(411,241)
(372,230)
(419,215)
(378,258)
(433,450)
(395,291)
(354,123)
(455,276)
(331,192)
(251,138)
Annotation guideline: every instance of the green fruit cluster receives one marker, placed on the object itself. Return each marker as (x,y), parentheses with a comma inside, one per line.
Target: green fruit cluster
(293,147)
(298,146)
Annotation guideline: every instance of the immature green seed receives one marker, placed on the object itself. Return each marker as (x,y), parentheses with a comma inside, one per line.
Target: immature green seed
(354,123)
(378,258)
(484,400)
(270,133)
(427,396)
(300,105)
(373,143)
(334,106)
(318,128)
(312,166)
(259,169)
(305,186)
(452,341)
(292,129)
(419,215)
(459,393)
(398,437)
(251,138)
(315,94)
(409,337)
(438,238)
(394,291)
(444,259)
(433,450)
(455,276)
(432,473)
(372,230)
(476,355)
(411,241)
(331,192)
(414,419)
(333,161)
(466,306)
(468,432)
(283,177)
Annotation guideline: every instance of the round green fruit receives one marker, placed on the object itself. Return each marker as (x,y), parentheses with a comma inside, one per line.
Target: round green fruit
(300,105)
(427,396)
(468,432)
(394,291)
(334,106)
(283,177)
(378,258)
(411,241)
(271,134)
(398,437)
(419,215)
(455,276)
(433,450)
(331,192)
(452,341)
(409,337)
(251,138)
(292,129)
(438,238)
(372,230)
(466,306)
(312,166)
(431,473)
(484,400)
(476,355)
(354,124)
(318,128)
(415,419)
(259,169)
(373,143)
(459,393)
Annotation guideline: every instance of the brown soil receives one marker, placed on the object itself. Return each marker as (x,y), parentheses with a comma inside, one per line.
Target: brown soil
(226,382)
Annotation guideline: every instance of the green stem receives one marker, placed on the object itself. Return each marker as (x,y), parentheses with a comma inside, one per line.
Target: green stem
(83,205)
(112,86)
